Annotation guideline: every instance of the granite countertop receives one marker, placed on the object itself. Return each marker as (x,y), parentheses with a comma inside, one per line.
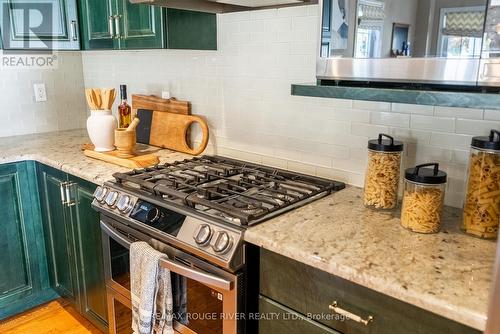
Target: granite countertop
(62,150)
(448,273)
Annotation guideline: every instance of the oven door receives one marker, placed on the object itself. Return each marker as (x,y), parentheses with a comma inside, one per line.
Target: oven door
(207,299)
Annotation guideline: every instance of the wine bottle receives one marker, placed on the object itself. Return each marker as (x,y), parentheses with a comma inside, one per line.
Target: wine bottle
(124,110)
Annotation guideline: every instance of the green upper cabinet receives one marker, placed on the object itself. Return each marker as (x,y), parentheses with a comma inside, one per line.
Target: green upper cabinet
(51,25)
(139,26)
(121,25)
(118,24)
(97,24)
(191,30)
(24,280)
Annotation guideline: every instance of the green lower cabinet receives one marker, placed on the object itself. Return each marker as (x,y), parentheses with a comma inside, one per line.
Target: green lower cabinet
(89,260)
(310,291)
(24,279)
(73,242)
(58,232)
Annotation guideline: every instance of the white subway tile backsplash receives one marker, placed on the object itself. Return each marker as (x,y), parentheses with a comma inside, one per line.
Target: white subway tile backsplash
(65,109)
(368,130)
(349,165)
(411,136)
(301,167)
(476,128)
(424,154)
(492,115)
(459,112)
(443,124)
(460,156)
(450,140)
(391,119)
(412,109)
(274,162)
(372,105)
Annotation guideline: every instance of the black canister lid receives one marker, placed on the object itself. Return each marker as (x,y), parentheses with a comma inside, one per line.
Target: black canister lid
(385,145)
(419,174)
(491,142)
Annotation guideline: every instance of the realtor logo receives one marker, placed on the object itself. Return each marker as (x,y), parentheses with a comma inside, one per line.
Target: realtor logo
(27,30)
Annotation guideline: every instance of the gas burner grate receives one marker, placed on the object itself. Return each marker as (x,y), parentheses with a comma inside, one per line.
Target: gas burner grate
(235,191)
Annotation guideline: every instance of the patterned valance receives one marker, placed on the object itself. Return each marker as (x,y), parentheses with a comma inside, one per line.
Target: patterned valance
(371,12)
(468,24)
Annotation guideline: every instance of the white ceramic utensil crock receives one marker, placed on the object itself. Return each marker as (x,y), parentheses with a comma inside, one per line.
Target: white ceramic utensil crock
(101,127)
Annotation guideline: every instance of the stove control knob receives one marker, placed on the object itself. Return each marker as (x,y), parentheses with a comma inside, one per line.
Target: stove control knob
(153,215)
(202,234)
(100,194)
(124,204)
(111,198)
(223,242)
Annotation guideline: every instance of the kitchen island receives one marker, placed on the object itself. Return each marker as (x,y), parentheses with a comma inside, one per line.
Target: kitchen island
(448,273)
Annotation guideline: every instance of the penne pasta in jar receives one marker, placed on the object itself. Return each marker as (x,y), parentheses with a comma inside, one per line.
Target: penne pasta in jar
(382,173)
(481,217)
(423,199)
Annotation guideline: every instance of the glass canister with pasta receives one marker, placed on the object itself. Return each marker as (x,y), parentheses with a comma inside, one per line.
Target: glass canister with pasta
(482,199)
(383,173)
(423,198)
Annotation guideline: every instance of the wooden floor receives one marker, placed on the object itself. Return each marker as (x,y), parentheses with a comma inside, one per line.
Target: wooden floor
(55,317)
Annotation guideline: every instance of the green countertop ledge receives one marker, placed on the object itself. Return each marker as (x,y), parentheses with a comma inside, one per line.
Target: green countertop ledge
(422,97)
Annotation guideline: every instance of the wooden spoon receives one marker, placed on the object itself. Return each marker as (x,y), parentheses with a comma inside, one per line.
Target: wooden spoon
(109,97)
(90,99)
(97,97)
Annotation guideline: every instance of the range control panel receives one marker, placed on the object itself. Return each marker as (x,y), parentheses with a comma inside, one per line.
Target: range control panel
(210,238)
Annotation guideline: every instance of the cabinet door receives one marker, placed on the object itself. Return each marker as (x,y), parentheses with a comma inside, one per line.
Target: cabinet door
(23,276)
(97,23)
(141,26)
(58,233)
(51,25)
(89,258)
(191,30)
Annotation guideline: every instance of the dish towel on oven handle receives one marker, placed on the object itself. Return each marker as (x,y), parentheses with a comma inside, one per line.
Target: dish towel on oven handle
(151,291)
(179,287)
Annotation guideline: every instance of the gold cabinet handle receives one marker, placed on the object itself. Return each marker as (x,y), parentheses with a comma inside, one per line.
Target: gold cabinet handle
(335,308)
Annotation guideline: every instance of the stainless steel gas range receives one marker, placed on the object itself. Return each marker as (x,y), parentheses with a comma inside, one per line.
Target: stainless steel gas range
(196,211)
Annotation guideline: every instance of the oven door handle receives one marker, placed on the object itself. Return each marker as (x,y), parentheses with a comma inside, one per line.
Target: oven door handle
(115,235)
(178,268)
(197,275)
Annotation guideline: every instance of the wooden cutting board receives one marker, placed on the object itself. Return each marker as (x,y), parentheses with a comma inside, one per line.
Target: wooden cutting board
(143,158)
(151,102)
(168,130)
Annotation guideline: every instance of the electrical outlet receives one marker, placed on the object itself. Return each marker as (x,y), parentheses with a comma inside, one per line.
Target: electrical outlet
(40,92)
(165,94)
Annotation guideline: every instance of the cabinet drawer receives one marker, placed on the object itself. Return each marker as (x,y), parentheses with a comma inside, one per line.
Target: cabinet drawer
(278,319)
(310,291)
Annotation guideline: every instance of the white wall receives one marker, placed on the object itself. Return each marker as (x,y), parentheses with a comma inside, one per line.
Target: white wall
(65,106)
(244,91)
